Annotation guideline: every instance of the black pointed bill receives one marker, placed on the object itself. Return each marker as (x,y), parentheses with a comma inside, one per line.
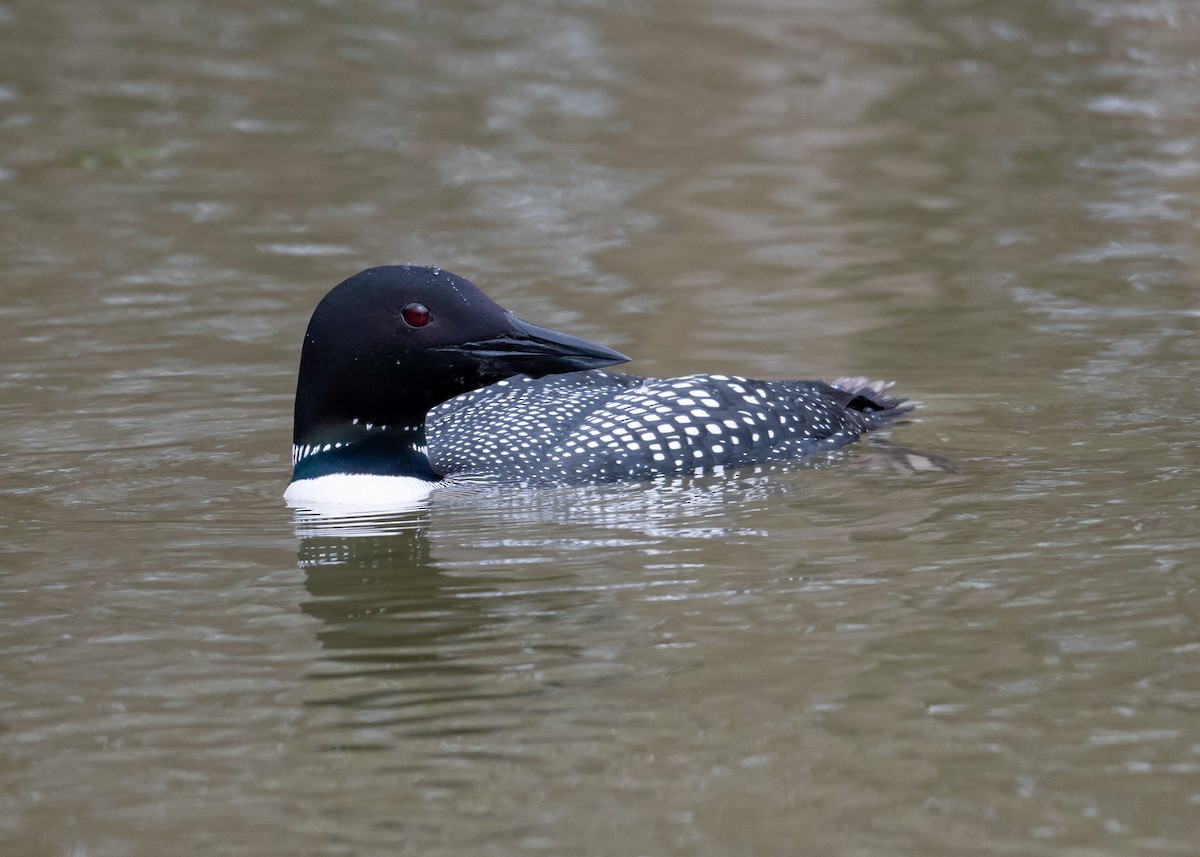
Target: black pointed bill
(528,349)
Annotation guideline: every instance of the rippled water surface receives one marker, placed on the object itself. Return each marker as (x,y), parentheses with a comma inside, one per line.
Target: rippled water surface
(993,203)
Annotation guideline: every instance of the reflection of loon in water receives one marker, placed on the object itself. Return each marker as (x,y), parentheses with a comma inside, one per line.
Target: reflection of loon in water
(377,578)
(389,402)
(354,574)
(379,597)
(458,618)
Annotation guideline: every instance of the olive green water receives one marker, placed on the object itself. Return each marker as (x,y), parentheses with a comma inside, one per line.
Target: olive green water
(995,204)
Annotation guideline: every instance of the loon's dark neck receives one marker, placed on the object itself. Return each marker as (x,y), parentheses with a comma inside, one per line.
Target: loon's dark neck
(363,448)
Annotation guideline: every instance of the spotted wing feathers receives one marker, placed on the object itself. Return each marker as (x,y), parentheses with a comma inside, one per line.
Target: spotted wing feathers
(606,426)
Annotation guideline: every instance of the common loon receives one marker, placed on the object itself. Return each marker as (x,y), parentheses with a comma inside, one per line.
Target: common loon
(411,378)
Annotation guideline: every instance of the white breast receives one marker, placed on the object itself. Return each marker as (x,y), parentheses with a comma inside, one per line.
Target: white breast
(341,492)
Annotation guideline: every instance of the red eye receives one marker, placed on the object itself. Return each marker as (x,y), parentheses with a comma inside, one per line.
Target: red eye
(416,315)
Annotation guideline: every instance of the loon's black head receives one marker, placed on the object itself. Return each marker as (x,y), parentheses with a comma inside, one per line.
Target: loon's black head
(392,342)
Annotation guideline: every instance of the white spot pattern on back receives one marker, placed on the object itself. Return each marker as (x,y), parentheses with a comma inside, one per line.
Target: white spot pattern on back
(605,426)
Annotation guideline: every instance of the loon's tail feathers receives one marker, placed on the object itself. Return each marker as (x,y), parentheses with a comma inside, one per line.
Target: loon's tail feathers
(870,400)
